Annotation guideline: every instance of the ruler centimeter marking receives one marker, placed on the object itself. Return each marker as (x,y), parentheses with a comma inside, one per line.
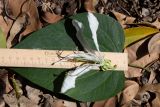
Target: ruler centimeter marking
(45,58)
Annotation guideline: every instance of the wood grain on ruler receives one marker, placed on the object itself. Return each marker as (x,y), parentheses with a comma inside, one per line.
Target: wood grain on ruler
(45,58)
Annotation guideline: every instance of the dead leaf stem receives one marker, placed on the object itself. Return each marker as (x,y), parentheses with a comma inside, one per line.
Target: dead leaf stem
(136,66)
(5,3)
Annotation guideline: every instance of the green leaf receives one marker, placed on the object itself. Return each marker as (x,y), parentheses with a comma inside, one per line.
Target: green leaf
(94,85)
(2,39)
(135,34)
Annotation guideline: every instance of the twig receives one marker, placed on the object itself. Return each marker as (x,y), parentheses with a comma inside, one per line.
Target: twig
(135,66)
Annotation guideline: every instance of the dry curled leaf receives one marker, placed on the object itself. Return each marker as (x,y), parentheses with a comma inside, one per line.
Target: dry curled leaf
(146,59)
(13,9)
(20,23)
(138,56)
(89,5)
(156,101)
(99,103)
(4,77)
(33,94)
(142,62)
(22,11)
(133,50)
(51,17)
(83,104)
(151,87)
(5,24)
(123,19)
(150,80)
(47,101)
(34,21)
(156,23)
(111,102)
(154,44)
(130,91)
(63,103)
(133,55)
(10,99)
(149,94)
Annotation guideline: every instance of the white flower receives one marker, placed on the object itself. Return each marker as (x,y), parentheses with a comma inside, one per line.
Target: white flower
(91,60)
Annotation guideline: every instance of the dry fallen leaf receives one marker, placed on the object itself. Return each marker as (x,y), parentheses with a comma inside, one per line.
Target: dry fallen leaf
(5,22)
(89,5)
(83,104)
(151,78)
(133,52)
(34,22)
(51,17)
(149,94)
(142,62)
(20,23)
(63,103)
(15,8)
(4,77)
(146,59)
(130,91)
(33,94)
(138,56)
(156,101)
(123,19)
(5,26)
(133,49)
(99,103)
(157,23)
(151,87)
(69,104)
(11,100)
(111,102)
(154,44)
(22,12)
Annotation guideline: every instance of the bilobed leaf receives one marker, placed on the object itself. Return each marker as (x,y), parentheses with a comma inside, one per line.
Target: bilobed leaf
(91,86)
(137,33)
(2,39)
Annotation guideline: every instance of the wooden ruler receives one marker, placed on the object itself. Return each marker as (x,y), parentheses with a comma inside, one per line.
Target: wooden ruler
(46,58)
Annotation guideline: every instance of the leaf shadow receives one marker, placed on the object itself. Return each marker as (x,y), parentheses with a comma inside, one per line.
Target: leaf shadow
(57,87)
(71,31)
(57,83)
(26,82)
(143,49)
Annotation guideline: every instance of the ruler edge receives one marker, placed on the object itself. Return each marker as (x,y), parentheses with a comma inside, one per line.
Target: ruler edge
(70,51)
